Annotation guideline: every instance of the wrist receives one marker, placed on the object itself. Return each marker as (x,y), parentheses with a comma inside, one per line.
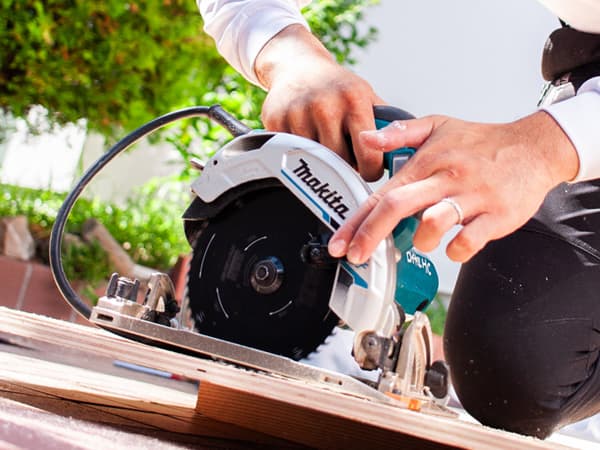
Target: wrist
(286,51)
(577,116)
(551,145)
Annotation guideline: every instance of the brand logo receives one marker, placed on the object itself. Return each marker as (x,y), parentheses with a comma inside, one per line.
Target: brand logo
(330,197)
(417,260)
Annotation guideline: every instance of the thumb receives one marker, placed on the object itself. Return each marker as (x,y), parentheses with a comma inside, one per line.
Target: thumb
(399,133)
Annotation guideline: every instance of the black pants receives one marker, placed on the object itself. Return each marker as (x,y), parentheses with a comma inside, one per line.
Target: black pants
(522,334)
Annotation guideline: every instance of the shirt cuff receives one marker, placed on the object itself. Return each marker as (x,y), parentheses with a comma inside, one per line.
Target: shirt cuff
(254,24)
(578,117)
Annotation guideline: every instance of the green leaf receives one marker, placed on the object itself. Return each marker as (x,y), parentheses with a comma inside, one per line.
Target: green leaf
(119,65)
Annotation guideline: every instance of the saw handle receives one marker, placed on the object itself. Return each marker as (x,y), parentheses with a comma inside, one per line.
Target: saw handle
(384,114)
(416,278)
(393,161)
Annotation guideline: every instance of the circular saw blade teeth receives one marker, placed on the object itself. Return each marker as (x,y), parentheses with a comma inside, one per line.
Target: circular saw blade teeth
(248,282)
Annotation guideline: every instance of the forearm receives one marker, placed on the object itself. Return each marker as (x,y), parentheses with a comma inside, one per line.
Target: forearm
(289,50)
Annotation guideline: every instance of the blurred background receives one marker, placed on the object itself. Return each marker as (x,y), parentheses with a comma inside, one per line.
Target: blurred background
(75,77)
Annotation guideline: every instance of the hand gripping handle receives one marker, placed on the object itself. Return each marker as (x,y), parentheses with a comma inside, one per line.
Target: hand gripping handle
(393,161)
(416,277)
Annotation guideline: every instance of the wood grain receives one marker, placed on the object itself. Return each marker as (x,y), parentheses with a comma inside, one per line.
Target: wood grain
(245,406)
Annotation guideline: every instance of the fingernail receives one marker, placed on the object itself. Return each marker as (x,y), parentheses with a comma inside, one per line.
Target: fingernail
(337,247)
(398,124)
(354,255)
(375,138)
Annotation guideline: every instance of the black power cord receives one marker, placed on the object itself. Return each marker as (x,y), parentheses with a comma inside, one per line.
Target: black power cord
(215,112)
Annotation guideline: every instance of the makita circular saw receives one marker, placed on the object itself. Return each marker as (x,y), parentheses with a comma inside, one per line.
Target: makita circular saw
(262,290)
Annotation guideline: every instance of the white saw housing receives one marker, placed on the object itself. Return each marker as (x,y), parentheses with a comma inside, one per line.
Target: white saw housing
(363,296)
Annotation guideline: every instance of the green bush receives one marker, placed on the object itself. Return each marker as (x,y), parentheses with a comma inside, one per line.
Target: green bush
(113,63)
(148,226)
(436,312)
(119,64)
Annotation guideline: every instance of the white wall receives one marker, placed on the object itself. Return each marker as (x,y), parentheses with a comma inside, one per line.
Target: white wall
(130,169)
(47,160)
(476,60)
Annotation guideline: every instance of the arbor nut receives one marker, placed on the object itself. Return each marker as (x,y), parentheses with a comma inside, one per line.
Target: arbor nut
(266,275)
(369,351)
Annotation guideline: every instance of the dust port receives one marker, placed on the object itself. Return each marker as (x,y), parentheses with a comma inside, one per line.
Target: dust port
(105,318)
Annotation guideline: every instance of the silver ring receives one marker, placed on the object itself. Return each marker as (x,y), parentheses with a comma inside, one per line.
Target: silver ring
(457,208)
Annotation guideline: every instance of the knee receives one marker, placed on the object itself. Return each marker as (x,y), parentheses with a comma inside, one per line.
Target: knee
(521,357)
(499,398)
(524,382)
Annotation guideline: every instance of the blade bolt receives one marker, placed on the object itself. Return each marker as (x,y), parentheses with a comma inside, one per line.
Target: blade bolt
(262,272)
(266,275)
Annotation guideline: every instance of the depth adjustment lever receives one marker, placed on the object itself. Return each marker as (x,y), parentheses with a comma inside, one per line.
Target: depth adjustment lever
(159,305)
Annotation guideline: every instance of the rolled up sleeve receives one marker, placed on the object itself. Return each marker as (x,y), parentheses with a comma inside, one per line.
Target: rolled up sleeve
(579,117)
(241,28)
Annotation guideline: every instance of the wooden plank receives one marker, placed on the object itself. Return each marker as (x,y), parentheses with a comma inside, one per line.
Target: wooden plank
(299,412)
(291,410)
(50,409)
(94,412)
(25,426)
(78,392)
(310,426)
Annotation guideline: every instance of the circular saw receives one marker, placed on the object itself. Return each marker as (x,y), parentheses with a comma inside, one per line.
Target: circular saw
(262,290)
(266,205)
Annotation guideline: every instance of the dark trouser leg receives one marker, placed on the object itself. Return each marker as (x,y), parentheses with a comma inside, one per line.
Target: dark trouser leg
(523,330)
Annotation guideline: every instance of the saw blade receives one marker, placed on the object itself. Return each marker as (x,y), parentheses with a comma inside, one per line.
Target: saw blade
(250,283)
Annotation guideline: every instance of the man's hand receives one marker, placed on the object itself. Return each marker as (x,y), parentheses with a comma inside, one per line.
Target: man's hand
(497,175)
(311,95)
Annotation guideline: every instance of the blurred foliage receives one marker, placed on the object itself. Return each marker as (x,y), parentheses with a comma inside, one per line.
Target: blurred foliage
(337,24)
(86,262)
(148,225)
(120,64)
(436,312)
(113,63)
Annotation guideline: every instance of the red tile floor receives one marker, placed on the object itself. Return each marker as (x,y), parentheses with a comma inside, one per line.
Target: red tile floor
(29,286)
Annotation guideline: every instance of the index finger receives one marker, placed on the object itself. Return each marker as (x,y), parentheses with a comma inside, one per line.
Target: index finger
(369,160)
(382,211)
(400,133)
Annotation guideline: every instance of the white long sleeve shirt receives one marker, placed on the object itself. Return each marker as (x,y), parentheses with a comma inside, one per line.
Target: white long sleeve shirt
(241,28)
(578,116)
